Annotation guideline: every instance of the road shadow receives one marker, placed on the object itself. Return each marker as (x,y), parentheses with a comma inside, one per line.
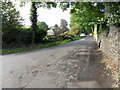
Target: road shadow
(83,65)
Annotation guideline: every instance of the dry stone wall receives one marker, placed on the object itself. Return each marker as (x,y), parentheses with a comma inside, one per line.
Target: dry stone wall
(109,42)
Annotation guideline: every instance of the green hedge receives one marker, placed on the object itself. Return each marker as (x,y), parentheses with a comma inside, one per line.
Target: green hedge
(21,37)
(38,46)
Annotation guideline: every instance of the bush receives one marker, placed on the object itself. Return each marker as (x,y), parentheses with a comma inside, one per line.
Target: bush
(21,37)
(39,35)
(16,38)
(25,36)
(54,38)
(74,30)
(42,26)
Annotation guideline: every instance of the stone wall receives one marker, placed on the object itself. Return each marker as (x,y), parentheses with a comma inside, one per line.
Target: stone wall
(108,42)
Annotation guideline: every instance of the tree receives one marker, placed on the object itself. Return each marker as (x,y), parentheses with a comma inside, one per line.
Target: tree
(57,29)
(33,19)
(11,19)
(33,16)
(86,15)
(63,25)
(112,13)
(43,26)
(74,30)
(103,14)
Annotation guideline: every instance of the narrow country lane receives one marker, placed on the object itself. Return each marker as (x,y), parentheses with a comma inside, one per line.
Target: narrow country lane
(70,65)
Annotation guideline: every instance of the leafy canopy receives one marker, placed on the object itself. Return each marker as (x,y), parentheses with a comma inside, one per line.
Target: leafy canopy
(86,14)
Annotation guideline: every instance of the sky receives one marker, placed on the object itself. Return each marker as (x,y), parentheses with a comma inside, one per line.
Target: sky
(51,17)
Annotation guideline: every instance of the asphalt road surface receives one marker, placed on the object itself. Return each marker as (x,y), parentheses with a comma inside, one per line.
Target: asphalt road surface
(69,65)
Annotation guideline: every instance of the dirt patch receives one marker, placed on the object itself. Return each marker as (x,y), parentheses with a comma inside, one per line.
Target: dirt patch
(89,65)
(80,67)
(109,73)
(33,70)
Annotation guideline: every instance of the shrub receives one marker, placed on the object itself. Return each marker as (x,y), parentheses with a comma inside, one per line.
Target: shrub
(39,35)
(74,30)
(25,36)
(42,26)
(16,38)
(54,38)
(21,37)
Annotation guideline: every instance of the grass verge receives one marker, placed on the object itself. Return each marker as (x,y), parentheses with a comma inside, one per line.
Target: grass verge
(22,49)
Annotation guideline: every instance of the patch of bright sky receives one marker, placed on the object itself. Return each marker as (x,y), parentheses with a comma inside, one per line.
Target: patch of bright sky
(50,16)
